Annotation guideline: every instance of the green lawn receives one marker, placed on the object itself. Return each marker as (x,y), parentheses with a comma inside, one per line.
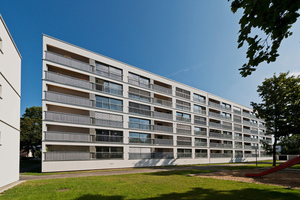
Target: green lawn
(155,186)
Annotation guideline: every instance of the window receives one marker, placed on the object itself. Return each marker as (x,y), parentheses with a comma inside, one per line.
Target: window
(138,80)
(108,71)
(109,103)
(139,138)
(199,98)
(137,123)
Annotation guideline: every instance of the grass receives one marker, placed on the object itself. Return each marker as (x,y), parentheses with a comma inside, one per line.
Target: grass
(155,186)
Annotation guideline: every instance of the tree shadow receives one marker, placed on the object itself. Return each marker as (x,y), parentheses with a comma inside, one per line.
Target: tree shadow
(154,162)
(179,172)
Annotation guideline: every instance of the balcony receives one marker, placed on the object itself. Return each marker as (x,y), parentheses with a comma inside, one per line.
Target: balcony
(200,155)
(253,124)
(67,80)
(67,155)
(214,124)
(237,112)
(162,115)
(108,138)
(262,126)
(200,144)
(67,118)
(138,82)
(139,126)
(184,119)
(250,147)
(155,155)
(162,102)
(139,97)
(254,132)
(109,155)
(57,58)
(226,127)
(68,99)
(220,145)
(237,128)
(161,128)
(200,111)
(215,105)
(246,122)
(238,146)
(184,143)
(237,120)
(139,111)
(106,89)
(108,106)
(246,130)
(149,141)
(236,137)
(221,155)
(183,131)
(162,89)
(199,100)
(246,114)
(67,136)
(109,74)
(105,122)
(200,122)
(183,95)
(184,155)
(219,135)
(201,133)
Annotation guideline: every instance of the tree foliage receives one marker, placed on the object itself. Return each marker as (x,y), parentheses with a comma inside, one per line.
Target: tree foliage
(31,129)
(280,108)
(274,18)
(290,145)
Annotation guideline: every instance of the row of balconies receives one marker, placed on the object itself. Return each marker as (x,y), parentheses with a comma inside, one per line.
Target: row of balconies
(73,155)
(88,85)
(80,137)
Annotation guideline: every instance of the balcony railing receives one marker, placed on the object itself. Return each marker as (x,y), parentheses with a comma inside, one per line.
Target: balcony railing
(162,115)
(184,155)
(104,122)
(200,111)
(215,105)
(184,143)
(226,127)
(236,137)
(109,155)
(184,119)
(238,146)
(108,74)
(183,131)
(253,124)
(149,141)
(67,61)
(138,82)
(246,114)
(237,120)
(202,133)
(108,106)
(107,89)
(221,155)
(219,135)
(199,100)
(136,96)
(246,130)
(67,80)
(237,112)
(200,122)
(254,132)
(262,126)
(214,124)
(250,147)
(219,145)
(237,128)
(68,118)
(183,95)
(140,111)
(163,128)
(67,155)
(246,122)
(155,155)
(166,142)
(69,99)
(162,102)
(200,155)
(67,136)
(134,125)
(162,89)
(108,138)
(200,144)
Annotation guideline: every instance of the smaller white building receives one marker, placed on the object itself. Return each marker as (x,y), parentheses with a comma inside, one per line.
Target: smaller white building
(10,91)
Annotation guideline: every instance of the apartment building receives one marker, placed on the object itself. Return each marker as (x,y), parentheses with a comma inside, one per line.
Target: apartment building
(101,113)
(10,91)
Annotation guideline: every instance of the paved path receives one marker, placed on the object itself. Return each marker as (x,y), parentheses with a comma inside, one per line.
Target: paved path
(123,171)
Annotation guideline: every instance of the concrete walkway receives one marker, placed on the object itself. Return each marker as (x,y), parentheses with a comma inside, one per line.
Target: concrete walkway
(124,171)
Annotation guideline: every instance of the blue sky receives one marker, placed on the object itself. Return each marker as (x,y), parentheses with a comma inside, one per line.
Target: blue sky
(192,42)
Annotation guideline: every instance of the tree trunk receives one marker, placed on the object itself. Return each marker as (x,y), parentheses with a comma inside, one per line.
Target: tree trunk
(274,152)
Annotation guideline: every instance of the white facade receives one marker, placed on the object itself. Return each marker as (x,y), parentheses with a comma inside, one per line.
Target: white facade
(101,113)
(10,91)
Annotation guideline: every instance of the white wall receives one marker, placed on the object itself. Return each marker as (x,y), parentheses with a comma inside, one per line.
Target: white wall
(10,81)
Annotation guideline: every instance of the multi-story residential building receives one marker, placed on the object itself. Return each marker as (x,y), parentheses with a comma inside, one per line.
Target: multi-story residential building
(10,90)
(101,113)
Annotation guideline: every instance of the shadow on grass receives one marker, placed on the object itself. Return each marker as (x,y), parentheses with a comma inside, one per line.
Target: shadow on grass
(209,194)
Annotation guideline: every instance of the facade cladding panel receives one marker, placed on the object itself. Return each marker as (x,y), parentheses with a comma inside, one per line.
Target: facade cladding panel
(100,113)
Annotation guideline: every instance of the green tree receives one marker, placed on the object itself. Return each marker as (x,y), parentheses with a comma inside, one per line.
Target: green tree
(274,19)
(280,106)
(31,129)
(290,145)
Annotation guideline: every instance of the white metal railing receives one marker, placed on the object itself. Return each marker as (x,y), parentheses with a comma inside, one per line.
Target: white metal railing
(67,61)
(69,99)
(66,155)
(69,118)
(67,136)
(221,155)
(162,89)
(68,80)
(254,132)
